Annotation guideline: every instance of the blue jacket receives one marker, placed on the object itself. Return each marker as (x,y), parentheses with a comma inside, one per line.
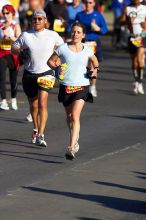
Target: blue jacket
(86,19)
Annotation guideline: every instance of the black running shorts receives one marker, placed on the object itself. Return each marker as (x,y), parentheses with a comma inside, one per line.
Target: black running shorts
(30,85)
(67,99)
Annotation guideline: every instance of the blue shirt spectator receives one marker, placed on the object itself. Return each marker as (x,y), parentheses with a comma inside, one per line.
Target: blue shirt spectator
(118,7)
(72,10)
(87,19)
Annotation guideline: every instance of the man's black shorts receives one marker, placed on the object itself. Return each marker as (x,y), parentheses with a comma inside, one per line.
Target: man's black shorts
(30,85)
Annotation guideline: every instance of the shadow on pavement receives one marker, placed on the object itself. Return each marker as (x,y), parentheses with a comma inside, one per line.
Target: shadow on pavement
(133,117)
(143,174)
(20,121)
(85,218)
(18,143)
(126,205)
(121,186)
(15,154)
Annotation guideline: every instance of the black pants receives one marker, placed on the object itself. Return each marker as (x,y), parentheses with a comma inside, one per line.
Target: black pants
(7,62)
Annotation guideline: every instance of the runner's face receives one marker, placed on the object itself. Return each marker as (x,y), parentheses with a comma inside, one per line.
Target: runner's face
(77,34)
(7,15)
(89,5)
(39,23)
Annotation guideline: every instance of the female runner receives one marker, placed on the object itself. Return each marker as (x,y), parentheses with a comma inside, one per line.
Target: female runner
(74,87)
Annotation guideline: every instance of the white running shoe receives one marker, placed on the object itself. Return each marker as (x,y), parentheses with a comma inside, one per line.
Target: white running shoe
(4,105)
(34,135)
(135,90)
(40,140)
(93,91)
(29,117)
(76,147)
(140,89)
(70,155)
(14,105)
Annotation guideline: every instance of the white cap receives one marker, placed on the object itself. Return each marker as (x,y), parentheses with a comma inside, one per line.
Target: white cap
(39,12)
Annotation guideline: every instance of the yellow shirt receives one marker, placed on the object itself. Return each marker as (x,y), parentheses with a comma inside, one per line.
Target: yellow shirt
(15,3)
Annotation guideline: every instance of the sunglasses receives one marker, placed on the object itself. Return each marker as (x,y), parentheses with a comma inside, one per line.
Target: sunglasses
(88,3)
(6,13)
(37,19)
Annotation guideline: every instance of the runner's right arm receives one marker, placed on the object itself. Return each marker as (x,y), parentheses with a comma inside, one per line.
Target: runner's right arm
(54,61)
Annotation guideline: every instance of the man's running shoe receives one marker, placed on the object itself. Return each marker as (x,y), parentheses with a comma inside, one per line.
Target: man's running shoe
(29,117)
(4,105)
(34,135)
(40,140)
(140,89)
(93,91)
(14,105)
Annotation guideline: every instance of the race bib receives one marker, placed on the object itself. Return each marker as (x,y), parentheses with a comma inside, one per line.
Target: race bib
(92,45)
(72,89)
(136,42)
(46,81)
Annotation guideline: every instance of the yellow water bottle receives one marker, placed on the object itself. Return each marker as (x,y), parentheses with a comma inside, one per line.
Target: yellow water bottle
(63,67)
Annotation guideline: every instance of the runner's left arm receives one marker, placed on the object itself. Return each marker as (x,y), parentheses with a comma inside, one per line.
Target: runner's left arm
(94,66)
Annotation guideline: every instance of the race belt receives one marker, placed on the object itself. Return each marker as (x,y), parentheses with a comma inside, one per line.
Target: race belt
(92,45)
(46,82)
(72,89)
(5,44)
(137,42)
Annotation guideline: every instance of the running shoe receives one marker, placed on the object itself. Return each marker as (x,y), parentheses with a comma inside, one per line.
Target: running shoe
(14,105)
(29,117)
(34,135)
(93,91)
(4,105)
(140,89)
(70,155)
(76,149)
(40,140)
(135,90)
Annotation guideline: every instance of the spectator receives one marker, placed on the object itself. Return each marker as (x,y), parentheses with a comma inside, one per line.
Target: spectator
(95,27)
(57,16)
(23,8)
(9,32)
(72,10)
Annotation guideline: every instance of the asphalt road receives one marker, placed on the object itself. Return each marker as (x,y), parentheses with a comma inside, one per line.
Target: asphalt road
(106,181)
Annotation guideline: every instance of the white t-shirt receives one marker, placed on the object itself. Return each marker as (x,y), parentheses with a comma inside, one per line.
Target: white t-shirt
(41,46)
(76,72)
(139,15)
